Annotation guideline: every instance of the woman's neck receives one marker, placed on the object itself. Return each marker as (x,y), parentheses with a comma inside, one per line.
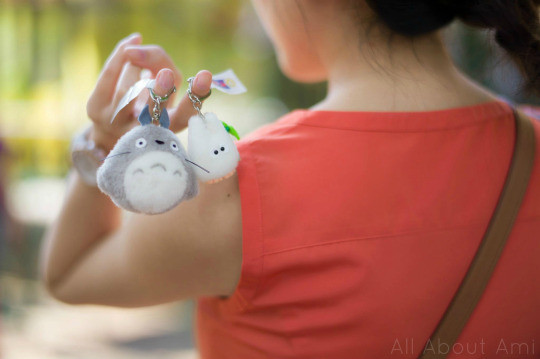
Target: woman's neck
(378,73)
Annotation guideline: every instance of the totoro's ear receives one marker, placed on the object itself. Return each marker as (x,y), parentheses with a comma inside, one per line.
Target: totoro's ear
(213,123)
(164,119)
(144,117)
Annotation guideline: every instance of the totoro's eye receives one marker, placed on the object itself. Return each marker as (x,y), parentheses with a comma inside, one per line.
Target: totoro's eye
(174,146)
(222,148)
(140,143)
(215,152)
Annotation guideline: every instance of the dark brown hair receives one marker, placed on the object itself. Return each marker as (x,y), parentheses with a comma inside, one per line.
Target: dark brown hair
(515,23)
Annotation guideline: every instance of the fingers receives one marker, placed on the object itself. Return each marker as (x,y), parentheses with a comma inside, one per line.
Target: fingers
(154,58)
(163,86)
(106,85)
(181,114)
(122,70)
(130,75)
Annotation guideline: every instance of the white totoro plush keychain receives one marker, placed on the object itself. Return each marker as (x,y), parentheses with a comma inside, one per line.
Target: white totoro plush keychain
(210,144)
(148,171)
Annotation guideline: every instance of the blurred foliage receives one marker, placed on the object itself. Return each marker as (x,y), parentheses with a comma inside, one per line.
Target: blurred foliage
(52,51)
(39,156)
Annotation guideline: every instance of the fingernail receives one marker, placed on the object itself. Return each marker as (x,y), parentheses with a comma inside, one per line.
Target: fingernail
(199,87)
(131,38)
(165,82)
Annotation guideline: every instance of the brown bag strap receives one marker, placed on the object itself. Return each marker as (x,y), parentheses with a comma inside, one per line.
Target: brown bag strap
(467,296)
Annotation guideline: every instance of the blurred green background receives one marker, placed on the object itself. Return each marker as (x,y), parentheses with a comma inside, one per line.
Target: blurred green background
(51,54)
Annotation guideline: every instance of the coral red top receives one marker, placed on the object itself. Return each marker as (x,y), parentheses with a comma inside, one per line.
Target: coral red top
(358,228)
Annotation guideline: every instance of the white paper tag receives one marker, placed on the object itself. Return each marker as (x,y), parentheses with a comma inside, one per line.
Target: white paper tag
(228,82)
(132,94)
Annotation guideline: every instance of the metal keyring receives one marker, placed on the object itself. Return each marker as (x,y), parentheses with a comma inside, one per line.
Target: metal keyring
(196,100)
(158,100)
(190,92)
(161,99)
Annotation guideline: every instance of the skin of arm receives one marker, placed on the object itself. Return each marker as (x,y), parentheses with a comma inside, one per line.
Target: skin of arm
(192,250)
(91,255)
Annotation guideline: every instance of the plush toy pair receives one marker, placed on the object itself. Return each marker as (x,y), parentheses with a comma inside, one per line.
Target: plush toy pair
(148,170)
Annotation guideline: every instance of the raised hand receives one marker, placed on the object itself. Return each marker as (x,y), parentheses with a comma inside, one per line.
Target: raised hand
(122,69)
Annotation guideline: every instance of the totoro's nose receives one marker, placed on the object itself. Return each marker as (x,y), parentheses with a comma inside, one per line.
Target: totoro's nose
(159,142)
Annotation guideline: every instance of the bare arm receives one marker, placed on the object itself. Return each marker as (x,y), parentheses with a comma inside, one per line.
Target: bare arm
(193,250)
(91,256)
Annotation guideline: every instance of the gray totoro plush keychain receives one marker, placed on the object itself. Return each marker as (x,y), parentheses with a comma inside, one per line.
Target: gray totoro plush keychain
(148,170)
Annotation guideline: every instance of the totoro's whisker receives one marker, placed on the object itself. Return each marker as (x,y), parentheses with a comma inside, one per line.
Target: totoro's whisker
(202,168)
(118,154)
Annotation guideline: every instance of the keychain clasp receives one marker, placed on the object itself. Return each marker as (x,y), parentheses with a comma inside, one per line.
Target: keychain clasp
(196,100)
(158,100)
